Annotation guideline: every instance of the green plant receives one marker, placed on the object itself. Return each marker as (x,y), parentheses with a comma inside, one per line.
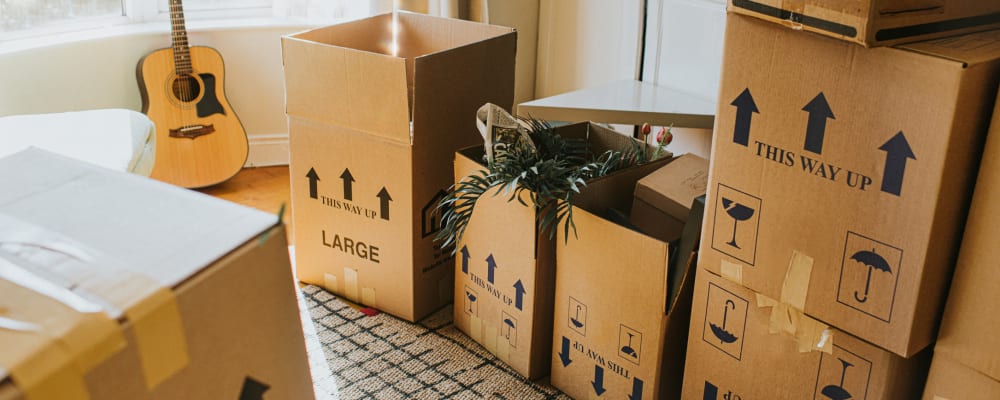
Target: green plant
(546,176)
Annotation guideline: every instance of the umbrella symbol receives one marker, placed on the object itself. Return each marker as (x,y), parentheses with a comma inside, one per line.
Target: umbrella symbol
(721,333)
(838,392)
(472,298)
(739,213)
(510,326)
(627,349)
(874,261)
(576,320)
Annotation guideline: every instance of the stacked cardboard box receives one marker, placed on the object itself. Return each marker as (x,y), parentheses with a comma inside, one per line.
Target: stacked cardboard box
(376,109)
(839,182)
(114,286)
(965,362)
(505,268)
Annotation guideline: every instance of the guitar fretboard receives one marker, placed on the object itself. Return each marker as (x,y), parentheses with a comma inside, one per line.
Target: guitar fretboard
(178,35)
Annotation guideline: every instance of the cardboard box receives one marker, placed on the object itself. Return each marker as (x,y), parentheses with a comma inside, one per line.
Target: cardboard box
(737,349)
(114,286)
(877,22)
(616,333)
(966,328)
(663,198)
(372,136)
(951,380)
(505,269)
(841,175)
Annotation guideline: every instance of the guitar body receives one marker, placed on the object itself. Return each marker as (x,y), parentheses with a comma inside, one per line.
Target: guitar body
(199,140)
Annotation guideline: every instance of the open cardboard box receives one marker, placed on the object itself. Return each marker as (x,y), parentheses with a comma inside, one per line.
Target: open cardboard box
(374,121)
(114,286)
(877,22)
(841,176)
(505,268)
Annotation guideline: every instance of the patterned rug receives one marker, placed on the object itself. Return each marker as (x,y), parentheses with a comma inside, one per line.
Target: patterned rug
(382,357)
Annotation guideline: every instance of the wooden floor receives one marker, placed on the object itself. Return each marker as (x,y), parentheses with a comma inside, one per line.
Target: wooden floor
(263,188)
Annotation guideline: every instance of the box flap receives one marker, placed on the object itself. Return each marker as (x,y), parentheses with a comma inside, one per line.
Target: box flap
(969,49)
(155,229)
(321,70)
(673,187)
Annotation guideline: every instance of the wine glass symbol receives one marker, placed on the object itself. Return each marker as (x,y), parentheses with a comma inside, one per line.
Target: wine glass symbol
(834,392)
(721,332)
(738,212)
(472,298)
(627,349)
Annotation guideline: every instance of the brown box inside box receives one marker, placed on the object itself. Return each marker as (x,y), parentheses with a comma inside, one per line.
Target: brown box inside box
(372,136)
(738,349)
(877,22)
(841,175)
(663,198)
(505,269)
(199,293)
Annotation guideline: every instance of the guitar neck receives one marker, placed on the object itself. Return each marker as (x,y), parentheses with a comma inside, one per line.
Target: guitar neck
(179,39)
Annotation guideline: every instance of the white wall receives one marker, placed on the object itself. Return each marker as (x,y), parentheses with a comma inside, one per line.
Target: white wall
(100,73)
(583,43)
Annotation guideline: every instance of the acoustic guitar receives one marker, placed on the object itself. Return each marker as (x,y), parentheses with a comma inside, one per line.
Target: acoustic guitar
(199,139)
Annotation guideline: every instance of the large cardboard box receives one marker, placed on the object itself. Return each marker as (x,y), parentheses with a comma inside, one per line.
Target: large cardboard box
(967,328)
(841,175)
(114,286)
(505,268)
(877,22)
(738,349)
(949,379)
(372,136)
(618,330)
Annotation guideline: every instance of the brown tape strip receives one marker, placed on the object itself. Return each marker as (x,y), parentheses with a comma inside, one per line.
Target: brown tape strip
(809,334)
(503,349)
(330,283)
(732,272)
(795,287)
(351,285)
(159,336)
(476,329)
(368,297)
(489,337)
(49,374)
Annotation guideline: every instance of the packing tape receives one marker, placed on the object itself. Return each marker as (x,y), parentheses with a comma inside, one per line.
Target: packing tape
(809,334)
(476,328)
(330,283)
(149,307)
(732,272)
(489,337)
(351,284)
(368,297)
(48,374)
(503,349)
(795,287)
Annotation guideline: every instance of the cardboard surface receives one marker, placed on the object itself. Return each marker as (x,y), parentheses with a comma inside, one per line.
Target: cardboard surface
(860,160)
(663,198)
(734,352)
(951,380)
(876,22)
(111,239)
(968,317)
(505,269)
(372,136)
(613,336)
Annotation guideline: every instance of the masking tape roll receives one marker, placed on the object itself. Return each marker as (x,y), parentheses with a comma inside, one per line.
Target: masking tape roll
(732,272)
(368,297)
(351,285)
(795,287)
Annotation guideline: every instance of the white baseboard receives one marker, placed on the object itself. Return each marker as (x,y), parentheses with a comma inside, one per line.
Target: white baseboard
(268,150)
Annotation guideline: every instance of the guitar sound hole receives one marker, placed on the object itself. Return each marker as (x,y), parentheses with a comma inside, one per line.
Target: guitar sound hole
(186,88)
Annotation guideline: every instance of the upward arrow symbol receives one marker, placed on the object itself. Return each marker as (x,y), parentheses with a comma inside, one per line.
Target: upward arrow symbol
(465,259)
(348,181)
(491,265)
(384,200)
(897,150)
(745,108)
(519,295)
(313,178)
(819,111)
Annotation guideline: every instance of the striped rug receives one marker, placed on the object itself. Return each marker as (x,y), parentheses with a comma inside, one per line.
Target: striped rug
(382,357)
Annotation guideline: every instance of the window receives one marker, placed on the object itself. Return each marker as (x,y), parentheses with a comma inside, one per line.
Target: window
(17,15)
